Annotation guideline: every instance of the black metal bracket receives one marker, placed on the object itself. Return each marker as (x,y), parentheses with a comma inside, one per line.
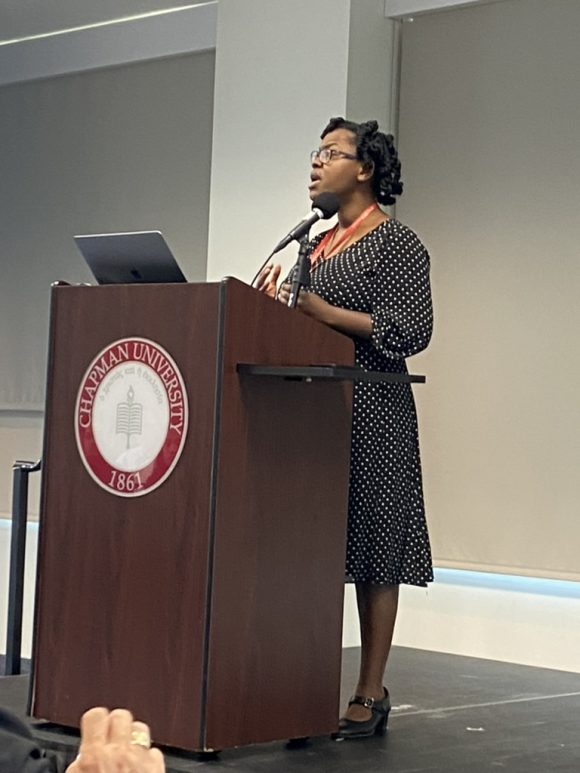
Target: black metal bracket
(326,372)
(20,473)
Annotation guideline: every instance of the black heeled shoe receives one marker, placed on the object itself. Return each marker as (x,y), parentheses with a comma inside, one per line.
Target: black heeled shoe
(376,725)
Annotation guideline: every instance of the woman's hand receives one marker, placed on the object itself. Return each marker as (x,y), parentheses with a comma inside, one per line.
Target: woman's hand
(268,279)
(309,303)
(114,743)
(353,323)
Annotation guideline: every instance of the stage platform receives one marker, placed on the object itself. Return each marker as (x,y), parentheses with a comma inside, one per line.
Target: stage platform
(451,714)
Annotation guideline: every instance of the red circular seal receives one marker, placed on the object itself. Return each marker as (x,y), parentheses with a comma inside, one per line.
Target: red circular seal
(131,417)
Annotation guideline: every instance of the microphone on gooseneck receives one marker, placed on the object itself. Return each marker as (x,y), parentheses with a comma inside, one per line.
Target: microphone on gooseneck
(324,205)
(301,273)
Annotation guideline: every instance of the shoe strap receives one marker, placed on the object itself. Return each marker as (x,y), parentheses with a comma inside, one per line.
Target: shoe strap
(368,703)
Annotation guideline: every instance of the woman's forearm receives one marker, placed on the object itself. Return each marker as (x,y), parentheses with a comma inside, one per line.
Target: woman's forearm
(355,323)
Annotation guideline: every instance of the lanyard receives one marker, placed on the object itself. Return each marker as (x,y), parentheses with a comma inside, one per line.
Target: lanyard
(317,255)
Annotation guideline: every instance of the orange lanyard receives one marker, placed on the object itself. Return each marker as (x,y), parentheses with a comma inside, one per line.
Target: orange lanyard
(317,255)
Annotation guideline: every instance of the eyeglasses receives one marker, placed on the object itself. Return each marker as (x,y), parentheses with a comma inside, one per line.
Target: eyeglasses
(325,155)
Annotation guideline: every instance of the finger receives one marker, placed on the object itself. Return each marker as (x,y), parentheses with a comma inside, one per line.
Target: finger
(140,735)
(270,288)
(156,762)
(94,725)
(263,276)
(122,759)
(92,759)
(274,274)
(136,758)
(264,286)
(120,725)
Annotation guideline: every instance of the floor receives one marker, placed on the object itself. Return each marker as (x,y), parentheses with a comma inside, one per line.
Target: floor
(451,714)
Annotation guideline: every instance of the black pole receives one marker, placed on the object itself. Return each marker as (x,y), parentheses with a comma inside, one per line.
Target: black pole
(21,472)
(301,274)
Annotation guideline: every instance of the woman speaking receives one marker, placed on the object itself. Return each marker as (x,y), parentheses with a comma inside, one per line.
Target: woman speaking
(370,280)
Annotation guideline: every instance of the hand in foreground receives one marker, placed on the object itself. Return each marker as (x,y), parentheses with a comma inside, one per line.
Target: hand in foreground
(309,303)
(114,743)
(268,279)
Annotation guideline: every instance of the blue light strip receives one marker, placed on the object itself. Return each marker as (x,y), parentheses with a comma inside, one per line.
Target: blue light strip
(509,582)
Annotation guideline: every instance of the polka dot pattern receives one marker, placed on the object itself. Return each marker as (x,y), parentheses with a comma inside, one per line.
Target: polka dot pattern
(385,274)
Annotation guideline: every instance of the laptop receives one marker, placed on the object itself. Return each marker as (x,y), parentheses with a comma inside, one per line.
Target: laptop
(127,258)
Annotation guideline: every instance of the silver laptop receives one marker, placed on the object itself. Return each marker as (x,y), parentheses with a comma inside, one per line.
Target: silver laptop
(127,258)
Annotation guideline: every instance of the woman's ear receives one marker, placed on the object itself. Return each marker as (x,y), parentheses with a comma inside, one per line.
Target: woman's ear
(366,171)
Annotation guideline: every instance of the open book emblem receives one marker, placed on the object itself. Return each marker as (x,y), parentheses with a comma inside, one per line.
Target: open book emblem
(131,417)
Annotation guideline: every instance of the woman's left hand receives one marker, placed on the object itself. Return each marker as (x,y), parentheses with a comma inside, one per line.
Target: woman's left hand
(309,303)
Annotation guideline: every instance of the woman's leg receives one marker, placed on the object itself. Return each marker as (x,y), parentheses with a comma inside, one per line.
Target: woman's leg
(377,609)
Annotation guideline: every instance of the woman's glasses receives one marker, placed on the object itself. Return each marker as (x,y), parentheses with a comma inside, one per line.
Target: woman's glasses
(325,155)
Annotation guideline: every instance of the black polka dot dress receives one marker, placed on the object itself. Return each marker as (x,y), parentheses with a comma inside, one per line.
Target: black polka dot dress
(385,274)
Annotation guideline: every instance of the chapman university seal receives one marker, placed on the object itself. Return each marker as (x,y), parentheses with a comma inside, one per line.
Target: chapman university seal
(131,417)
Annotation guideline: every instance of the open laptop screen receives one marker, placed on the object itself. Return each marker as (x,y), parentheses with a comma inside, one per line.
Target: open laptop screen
(127,258)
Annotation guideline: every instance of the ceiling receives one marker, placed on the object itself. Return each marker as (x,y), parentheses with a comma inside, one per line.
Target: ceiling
(26,18)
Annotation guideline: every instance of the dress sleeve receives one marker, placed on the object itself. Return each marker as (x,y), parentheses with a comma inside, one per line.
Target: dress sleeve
(401,307)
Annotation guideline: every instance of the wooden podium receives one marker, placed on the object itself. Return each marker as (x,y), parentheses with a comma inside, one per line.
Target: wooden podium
(210,606)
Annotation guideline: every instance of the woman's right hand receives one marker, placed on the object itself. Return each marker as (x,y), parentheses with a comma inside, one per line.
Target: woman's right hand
(268,279)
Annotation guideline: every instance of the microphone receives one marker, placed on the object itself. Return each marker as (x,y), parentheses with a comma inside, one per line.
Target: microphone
(327,203)
(324,205)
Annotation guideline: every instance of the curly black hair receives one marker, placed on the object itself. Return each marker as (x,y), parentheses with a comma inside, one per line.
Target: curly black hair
(376,148)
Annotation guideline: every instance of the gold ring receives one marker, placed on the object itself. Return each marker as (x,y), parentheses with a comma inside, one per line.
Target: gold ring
(141,738)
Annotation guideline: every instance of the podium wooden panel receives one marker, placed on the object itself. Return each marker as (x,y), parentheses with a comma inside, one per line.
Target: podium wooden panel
(212,606)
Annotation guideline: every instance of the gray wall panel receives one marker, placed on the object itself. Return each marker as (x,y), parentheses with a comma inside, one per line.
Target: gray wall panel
(488,137)
(125,148)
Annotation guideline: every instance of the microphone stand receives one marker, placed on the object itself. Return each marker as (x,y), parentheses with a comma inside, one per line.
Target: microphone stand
(301,274)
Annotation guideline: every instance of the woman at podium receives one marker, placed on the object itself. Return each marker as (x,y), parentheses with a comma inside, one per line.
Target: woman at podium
(370,280)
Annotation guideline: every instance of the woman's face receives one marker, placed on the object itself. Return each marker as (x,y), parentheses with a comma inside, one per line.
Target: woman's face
(340,175)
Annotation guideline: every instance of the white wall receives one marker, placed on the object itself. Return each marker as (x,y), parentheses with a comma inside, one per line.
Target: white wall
(274,92)
(29,585)
(522,620)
